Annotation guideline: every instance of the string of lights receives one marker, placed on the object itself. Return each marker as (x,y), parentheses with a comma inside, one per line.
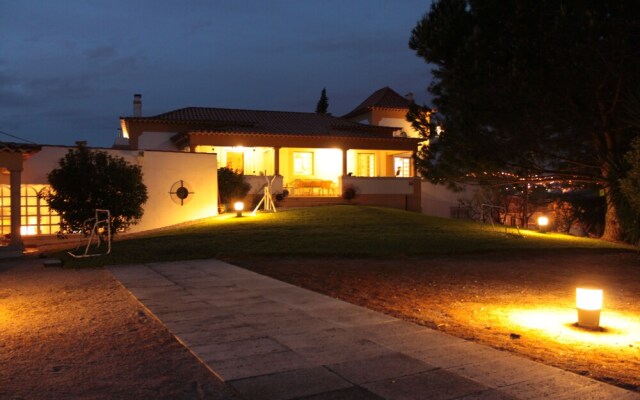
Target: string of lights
(17,137)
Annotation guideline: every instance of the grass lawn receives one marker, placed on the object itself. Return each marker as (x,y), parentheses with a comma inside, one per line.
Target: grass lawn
(339,231)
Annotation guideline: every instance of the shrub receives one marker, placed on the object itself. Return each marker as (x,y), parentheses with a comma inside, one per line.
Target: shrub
(231,185)
(349,193)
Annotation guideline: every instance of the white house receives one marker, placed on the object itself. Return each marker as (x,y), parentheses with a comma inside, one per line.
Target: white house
(310,154)
(369,149)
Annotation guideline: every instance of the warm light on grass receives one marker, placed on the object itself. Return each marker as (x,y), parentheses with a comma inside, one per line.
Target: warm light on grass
(558,325)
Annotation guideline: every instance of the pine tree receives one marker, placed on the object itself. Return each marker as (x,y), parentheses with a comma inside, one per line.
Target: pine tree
(532,88)
(323,103)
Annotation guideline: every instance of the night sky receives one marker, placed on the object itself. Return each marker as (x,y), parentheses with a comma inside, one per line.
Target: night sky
(69,69)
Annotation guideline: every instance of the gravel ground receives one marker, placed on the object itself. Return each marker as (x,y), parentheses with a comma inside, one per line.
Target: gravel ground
(77,334)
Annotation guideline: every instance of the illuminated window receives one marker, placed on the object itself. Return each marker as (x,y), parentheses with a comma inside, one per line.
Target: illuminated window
(402,166)
(235,161)
(302,163)
(366,164)
(36,218)
(5,210)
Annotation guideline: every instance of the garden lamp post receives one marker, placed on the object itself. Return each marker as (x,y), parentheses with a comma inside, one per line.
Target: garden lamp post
(589,304)
(543,223)
(238,206)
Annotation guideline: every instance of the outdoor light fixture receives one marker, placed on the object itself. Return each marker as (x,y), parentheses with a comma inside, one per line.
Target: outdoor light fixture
(589,304)
(543,222)
(238,206)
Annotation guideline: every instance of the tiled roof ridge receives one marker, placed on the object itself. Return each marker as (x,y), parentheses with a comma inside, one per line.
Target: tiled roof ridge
(381,98)
(328,134)
(242,110)
(19,147)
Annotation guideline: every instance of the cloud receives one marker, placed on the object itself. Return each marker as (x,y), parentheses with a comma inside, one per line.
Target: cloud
(100,53)
(12,92)
(61,87)
(374,44)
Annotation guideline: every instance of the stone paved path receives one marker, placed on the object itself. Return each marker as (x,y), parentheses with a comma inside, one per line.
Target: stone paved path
(274,341)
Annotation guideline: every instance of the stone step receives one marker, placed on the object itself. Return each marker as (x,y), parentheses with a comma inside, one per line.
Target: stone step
(308,201)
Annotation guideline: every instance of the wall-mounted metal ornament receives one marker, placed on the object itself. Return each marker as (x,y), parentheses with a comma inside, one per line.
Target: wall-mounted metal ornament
(181,193)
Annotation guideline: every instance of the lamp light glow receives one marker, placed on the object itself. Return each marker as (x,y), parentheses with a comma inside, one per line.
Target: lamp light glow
(543,222)
(589,304)
(238,206)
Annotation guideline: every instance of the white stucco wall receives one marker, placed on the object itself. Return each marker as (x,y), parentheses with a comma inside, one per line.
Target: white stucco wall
(38,165)
(161,170)
(156,141)
(381,185)
(400,123)
(437,200)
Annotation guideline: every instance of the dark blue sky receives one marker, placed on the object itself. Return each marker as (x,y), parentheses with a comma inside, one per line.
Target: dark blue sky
(69,69)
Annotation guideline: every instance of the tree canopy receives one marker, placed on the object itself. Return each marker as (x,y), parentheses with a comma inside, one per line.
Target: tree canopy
(86,180)
(531,88)
(630,185)
(323,103)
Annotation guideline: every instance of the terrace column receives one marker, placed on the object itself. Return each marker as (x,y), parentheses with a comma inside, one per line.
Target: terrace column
(15,181)
(276,160)
(344,162)
(414,170)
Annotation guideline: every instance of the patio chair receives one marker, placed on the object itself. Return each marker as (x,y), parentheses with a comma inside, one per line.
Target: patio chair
(327,187)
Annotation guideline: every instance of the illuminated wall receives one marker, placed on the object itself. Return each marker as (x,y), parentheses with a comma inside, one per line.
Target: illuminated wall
(163,172)
(376,163)
(325,164)
(249,160)
(393,118)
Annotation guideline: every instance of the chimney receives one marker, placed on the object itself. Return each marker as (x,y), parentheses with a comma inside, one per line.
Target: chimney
(409,96)
(137,105)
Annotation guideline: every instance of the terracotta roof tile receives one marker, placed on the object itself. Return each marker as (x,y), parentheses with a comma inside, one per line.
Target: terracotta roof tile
(23,148)
(383,98)
(266,122)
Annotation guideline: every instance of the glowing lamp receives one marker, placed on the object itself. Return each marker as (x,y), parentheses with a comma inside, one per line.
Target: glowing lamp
(589,304)
(543,222)
(238,206)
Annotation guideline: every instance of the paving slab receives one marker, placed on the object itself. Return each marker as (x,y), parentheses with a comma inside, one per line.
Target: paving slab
(387,366)
(291,384)
(238,349)
(256,365)
(436,384)
(352,393)
(271,340)
(218,335)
